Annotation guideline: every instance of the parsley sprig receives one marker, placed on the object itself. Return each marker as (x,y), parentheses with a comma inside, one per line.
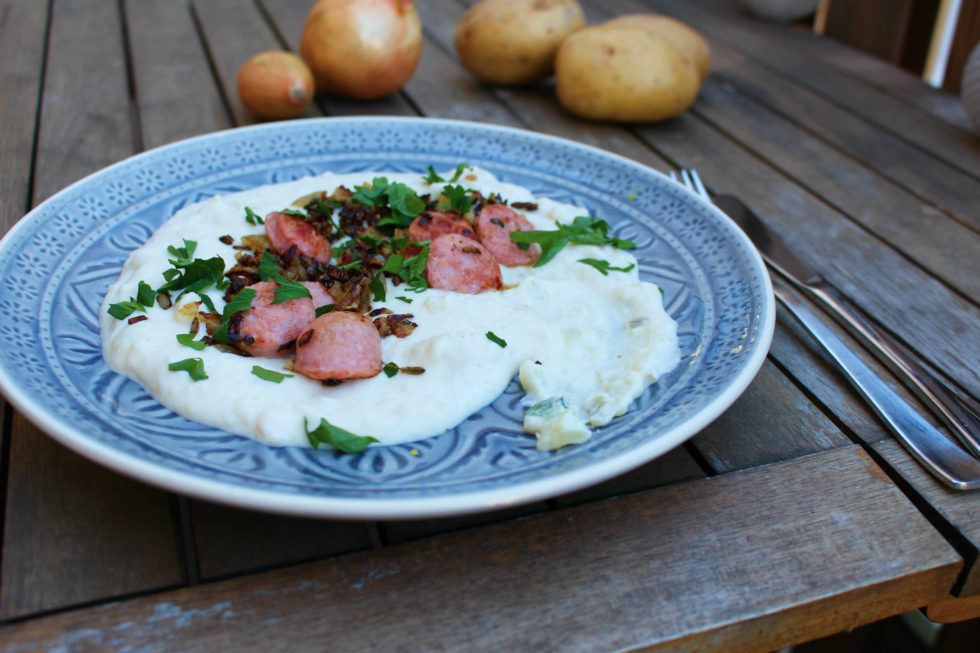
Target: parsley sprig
(582,231)
(405,204)
(605,266)
(288,289)
(336,437)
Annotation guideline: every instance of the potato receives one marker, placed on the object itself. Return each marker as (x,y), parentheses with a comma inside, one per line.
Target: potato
(686,39)
(624,73)
(513,42)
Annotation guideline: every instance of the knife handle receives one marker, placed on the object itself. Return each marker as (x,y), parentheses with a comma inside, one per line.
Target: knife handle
(937,453)
(953,410)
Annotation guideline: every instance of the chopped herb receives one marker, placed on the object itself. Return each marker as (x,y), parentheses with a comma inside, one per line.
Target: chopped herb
(338,438)
(404,299)
(432,177)
(206,300)
(241,302)
(377,287)
(252,217)
(459,171)
(390,369)
(187,339)
(122,310)
(605,266)
(459,199)
(323,310)
(270,375)
(145,294)
(494,338)
(184,254)
(288,289)
(371,195)
(356,265)
(547,408)
(193,366)
(582,231)
(298,214)
(193,276)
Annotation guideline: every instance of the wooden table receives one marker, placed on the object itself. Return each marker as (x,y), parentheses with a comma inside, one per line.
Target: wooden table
(795,515)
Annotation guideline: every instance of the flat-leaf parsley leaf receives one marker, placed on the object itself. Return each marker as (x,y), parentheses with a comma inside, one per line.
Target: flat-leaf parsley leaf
(333,436)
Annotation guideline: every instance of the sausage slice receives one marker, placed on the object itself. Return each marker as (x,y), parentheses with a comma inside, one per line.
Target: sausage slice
(339,345)
(493,227)
(462,265)
(268,329)
(432,224)
(285,231)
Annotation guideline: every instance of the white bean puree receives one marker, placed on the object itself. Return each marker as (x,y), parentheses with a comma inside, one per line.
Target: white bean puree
(590,343)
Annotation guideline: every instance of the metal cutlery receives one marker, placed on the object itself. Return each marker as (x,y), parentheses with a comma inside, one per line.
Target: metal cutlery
(948,462)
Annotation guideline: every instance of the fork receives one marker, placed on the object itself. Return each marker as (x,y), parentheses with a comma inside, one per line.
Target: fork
(946,460)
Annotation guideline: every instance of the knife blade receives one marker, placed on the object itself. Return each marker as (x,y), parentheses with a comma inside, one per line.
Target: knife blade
(954,410)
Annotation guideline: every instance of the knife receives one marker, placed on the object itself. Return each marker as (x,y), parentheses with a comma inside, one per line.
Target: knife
(962,419)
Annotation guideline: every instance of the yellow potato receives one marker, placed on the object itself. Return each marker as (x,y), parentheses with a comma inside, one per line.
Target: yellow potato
(624,73)
(515,41)
(687,40)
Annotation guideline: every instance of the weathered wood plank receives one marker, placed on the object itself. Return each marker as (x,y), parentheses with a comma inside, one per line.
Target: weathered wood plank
(174,87)
(76,532)
(73,531)
(788,51)
(959,512)
(873,275)
(288,16)
(22,32)
(781,539)
(230,541)
(891,213)
(771,421)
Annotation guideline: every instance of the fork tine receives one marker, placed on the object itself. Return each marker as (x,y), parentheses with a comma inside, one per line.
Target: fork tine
(673,176)
(686,180)
(701,190)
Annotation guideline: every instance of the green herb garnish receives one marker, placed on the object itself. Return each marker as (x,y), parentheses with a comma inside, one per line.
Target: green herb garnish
(288,289)
(187,339)
(241,302)
(193,366)
(494,338)
(404,299)
(605,266)
(390,369)
(345,441)
(193,275)
(459,199)
(377,287)
(270,375)
(252,217)
(145,294)
(323,310)
(122,310)
(547,408)
(582,231)
(432,177)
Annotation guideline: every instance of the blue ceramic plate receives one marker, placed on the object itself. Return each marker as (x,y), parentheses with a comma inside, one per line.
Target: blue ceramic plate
(57,262)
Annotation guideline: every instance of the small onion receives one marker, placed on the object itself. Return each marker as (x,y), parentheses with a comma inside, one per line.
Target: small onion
(274,85)
(362,49)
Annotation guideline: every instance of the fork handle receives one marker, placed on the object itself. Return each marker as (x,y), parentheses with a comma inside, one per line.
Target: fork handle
(937,453)
(962,421)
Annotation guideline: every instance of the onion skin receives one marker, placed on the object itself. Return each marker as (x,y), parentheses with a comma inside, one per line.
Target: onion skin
(274,85)
(362,49)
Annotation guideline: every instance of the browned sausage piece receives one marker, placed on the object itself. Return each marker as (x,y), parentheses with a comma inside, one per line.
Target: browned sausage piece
(321,297)
(284,231)
(339,345)
(268,329)
(431,224)
(462,265)
(493,226)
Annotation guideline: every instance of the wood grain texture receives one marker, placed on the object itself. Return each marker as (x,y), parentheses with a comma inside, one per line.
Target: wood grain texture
(771,421)
(786,51)
(740,101)
(546,581)
(875,276)
(74,532)
(22,32)
(955,513)
(175,90)
(953,609)
(230,541)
